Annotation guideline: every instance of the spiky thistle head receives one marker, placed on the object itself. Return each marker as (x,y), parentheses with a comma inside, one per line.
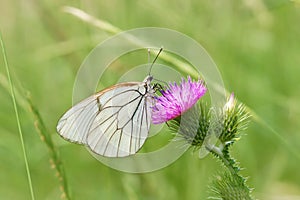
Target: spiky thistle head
(228,186)
(225,123)
(234,119)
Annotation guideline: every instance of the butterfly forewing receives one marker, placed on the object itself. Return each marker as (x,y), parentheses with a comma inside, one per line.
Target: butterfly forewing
(114,122)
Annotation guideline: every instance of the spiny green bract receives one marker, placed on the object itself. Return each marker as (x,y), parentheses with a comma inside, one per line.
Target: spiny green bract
(200,121)
(227,186)
(233,122)
(193,125)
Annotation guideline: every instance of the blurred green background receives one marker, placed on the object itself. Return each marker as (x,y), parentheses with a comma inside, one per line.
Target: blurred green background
(256,45)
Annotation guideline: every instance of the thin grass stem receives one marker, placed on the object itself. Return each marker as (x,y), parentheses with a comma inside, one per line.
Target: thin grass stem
(55,158)
(17,117)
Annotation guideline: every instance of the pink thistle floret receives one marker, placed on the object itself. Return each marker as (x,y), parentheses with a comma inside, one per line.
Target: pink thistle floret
(177,99)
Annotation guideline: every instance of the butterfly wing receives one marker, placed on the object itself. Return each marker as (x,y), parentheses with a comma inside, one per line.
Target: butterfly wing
(75,123)
(114,122)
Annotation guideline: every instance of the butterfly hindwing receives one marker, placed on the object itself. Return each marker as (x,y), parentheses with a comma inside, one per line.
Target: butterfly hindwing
(75,123)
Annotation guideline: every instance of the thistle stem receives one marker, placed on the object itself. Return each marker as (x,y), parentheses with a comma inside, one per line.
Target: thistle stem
(217,151)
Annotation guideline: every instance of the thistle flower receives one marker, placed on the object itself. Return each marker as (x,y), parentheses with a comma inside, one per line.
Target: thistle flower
(177,99)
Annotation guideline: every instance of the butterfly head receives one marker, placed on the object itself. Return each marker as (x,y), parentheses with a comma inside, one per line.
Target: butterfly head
(148,79)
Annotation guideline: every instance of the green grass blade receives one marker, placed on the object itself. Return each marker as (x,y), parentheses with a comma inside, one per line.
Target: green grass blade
(17,117)
(55,159)
(110,28)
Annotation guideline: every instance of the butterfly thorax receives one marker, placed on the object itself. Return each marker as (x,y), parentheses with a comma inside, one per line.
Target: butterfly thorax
(149,88)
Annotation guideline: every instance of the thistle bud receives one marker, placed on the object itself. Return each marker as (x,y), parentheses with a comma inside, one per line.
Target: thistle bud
(230,103)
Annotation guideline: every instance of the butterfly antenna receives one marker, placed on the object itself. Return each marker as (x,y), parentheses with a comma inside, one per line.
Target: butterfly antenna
(160,50)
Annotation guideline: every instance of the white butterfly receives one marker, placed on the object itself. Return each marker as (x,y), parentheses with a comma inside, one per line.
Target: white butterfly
(113,122)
